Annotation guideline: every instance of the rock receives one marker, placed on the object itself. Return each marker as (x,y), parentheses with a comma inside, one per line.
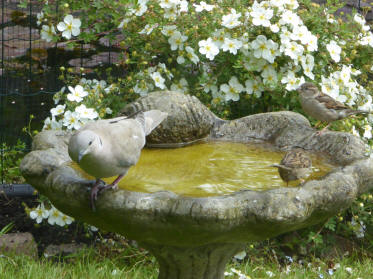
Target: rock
(62,249)
(19,244)
(188,119)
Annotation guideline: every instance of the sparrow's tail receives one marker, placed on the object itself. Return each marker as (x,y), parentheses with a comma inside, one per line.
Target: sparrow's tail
(353,112)
(280,166)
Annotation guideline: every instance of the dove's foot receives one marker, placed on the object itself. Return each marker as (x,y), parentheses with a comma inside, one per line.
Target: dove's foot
(97,187)
(113,185)
(107,187)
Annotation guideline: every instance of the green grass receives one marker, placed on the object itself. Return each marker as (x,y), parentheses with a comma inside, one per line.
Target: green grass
(132,263)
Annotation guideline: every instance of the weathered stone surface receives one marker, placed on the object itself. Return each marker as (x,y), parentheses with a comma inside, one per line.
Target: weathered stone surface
(188,119)
(18,244)
(167,224)
(62,249)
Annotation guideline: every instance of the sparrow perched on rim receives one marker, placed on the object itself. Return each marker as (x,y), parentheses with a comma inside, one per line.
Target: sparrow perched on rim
(296,164)
(323,107)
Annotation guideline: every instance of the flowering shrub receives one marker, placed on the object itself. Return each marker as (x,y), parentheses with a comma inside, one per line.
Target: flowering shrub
(88,100)
(228,51)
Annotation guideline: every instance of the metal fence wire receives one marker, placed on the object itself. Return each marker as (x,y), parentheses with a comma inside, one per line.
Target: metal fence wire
(30,67)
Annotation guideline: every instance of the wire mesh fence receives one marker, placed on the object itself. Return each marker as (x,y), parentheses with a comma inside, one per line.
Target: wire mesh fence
(30,69)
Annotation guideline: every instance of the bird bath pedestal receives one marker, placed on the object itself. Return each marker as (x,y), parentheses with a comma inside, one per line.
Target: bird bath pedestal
(193,238)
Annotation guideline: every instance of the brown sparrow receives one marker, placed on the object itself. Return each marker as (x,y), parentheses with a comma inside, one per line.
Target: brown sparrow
(323,107)
(295,165)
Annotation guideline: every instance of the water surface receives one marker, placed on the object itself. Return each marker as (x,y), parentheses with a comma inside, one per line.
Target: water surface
(209,169)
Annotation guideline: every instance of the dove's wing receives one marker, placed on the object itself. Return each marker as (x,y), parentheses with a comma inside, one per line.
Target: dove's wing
(124,140)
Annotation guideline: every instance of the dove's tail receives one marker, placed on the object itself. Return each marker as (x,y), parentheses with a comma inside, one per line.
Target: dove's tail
(152,119)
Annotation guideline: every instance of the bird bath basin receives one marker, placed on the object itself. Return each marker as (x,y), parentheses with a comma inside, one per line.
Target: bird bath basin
(194,237)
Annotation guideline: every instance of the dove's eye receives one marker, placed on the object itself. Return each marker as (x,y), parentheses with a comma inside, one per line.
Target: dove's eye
(90,143)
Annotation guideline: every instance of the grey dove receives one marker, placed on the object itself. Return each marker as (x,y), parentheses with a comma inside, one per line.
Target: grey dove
(323,107)
(106,148)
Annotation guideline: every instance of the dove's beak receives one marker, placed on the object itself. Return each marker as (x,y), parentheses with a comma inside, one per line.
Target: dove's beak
(81,154)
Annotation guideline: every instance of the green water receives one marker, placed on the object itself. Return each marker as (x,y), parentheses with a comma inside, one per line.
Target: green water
(210,169)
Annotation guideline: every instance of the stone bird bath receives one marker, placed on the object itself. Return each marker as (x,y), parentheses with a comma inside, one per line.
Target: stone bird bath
(195,237)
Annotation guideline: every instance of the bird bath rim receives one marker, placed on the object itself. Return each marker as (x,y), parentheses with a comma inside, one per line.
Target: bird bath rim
(238,217)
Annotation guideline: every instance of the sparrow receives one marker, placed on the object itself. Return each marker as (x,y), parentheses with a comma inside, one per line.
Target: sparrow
(323,107)
(296,164)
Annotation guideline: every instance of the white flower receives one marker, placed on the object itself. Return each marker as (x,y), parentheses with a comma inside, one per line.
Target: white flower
(166,4)
(203,6)
(177,41)
(254,87)
(264,48)
(39,17)
(180,59)
(191,55)
(334,50)
(84,112)
(123,22)
(139,10)
(312,43)
(355,132)
(349,270)
(65,220)
(52,124)
(69,26)
(168,30)
(292,82)
(270,273)
(231,45)
(148,29)
(367,131)
(141,88)
(331,88)
(288,17)
(231,21)
(293,50)
(261,16)
(158,80)
(275,27)
(181,86)
(232,90)
(58,110)
(208,48)
(71,120)
(359,19)
(55,217)
(367,40)
(292,4)
(269,76)
(39,213)
(301,33)
(108,111)
(47,33)
(77,94)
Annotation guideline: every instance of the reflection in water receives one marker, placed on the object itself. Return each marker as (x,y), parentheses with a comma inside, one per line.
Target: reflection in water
(209,169)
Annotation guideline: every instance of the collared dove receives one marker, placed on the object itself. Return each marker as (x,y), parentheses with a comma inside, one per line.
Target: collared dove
(323,107)
(106,148)
(295,165)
